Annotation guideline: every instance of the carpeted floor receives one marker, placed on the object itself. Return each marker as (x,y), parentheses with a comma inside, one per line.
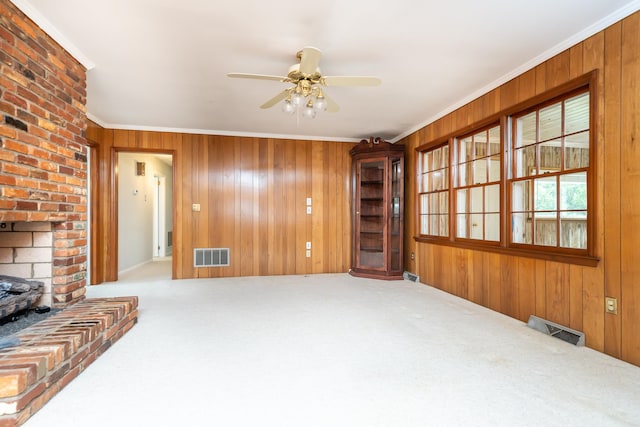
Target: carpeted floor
(334,350)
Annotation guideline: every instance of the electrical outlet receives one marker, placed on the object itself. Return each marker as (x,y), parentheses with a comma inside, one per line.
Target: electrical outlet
(308,254)
(195,207)
(413,256)
(308,210)
(611,305)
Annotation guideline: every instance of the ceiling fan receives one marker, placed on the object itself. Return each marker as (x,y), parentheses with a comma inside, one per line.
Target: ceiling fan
(307,92)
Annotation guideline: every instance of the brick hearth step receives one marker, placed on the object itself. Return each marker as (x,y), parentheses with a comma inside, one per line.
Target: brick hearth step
(53,352)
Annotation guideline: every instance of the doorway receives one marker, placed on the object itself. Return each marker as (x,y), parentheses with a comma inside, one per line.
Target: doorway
(145,209)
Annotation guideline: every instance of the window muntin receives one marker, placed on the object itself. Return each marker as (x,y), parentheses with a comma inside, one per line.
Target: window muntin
(544,188)
(550,152)
(434,192)
(477,185)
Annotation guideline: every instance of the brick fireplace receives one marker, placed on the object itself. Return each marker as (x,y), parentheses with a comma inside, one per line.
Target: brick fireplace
(43,159)
(43,217)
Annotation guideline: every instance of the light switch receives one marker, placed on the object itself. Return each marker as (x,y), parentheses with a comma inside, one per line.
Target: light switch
(308,210)
(308,245)
(308,201)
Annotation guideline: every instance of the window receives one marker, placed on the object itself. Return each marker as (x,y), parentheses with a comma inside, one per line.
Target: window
(550,147)
(433,188)
(477,185)
(518,182)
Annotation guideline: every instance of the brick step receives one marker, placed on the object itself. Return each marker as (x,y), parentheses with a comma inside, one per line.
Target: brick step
(54,351)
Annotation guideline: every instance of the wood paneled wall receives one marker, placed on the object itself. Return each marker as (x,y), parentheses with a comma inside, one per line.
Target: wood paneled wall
(252,193)
(568,294)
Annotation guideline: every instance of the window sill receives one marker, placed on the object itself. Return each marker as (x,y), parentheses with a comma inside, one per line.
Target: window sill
(567,258)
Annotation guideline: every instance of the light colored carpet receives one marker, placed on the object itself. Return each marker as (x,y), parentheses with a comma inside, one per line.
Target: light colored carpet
(334,350)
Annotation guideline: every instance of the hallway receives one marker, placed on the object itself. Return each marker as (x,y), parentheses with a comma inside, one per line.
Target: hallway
(333,350)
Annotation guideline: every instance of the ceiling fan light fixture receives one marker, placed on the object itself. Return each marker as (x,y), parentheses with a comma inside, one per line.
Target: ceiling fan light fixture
(306,97)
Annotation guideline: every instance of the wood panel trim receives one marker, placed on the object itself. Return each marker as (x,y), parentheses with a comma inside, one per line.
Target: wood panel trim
(112,249)
(587,261)
(112,233)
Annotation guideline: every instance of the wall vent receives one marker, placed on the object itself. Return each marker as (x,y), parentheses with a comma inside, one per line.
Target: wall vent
(557,331)
(211,257)
(411,276)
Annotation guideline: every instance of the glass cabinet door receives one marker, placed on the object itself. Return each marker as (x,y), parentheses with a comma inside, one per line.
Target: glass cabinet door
(396,215)
(371,223)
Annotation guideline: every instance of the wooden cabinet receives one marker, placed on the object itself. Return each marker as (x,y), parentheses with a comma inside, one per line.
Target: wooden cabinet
(378,209)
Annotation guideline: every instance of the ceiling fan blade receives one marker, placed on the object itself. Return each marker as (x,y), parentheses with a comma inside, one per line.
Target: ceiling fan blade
(309,60)
(332,107)
(273,101)
(257,77)
(351,81)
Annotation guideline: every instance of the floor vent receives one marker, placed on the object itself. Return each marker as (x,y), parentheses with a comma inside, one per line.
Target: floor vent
(557,331)
(411,276)
(211,257)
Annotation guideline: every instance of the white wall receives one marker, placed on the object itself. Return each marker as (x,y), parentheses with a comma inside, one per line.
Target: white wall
(135,207)
(167,171)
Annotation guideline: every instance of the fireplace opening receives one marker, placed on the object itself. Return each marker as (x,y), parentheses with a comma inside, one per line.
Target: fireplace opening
(19,307)
(26,252)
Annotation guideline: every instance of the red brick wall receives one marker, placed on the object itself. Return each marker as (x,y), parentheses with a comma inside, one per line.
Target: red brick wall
(43,153)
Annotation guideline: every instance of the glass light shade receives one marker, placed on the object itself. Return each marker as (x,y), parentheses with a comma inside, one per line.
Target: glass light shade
(288,108)
(309,112)
(297,99)
(320,104)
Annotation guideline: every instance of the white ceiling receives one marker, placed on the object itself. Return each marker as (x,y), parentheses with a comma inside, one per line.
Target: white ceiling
(162,64)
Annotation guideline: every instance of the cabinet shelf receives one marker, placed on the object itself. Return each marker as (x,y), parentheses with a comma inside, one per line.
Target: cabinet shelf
(372,249)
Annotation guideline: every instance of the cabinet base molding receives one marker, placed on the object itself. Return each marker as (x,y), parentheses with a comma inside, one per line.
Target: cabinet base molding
(375,274)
